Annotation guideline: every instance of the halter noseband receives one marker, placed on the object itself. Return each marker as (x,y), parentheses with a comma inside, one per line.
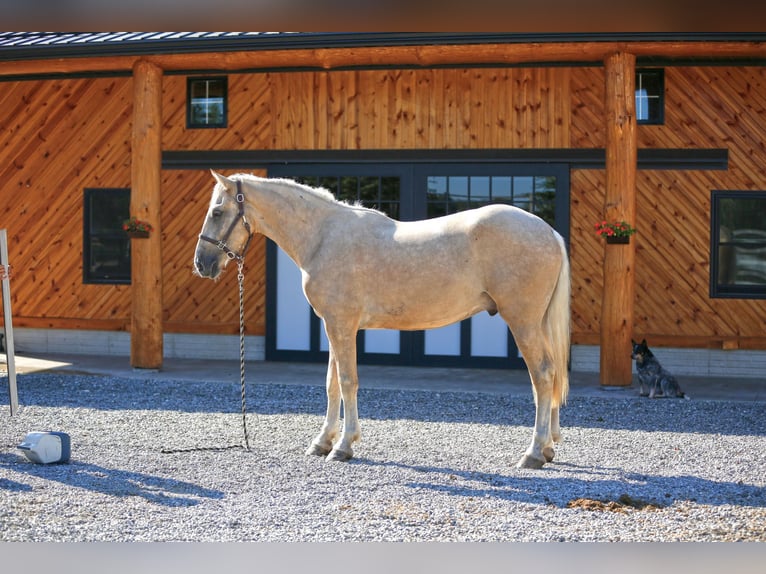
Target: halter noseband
(221,243)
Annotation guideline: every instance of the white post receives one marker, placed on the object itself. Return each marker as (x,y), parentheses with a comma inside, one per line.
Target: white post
(8,326)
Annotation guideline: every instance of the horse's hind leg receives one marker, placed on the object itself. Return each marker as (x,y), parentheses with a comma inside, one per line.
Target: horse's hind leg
(322,444)
(537,354)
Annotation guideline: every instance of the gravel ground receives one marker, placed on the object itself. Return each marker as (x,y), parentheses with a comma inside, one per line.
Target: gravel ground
(430,467)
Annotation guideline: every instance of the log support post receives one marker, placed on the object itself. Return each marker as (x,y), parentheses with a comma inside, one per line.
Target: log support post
(146,349)
(619,205)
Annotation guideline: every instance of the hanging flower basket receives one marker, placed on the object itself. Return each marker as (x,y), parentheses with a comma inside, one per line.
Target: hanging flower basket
(136,229)
(615,232)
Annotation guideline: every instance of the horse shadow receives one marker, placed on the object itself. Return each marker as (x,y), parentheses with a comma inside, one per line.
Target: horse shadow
(111,481)
(561,483)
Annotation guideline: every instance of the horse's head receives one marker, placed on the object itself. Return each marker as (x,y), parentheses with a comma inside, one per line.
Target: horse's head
(225,232)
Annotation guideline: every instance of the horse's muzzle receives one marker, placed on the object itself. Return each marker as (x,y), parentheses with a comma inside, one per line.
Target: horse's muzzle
(206,266)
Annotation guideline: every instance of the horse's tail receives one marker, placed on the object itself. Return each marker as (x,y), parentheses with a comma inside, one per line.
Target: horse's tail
(557,320)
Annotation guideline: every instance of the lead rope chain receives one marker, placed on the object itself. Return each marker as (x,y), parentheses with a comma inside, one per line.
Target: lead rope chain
(241,281)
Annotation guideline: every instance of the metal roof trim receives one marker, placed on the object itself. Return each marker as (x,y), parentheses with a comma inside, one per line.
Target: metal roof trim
(44,45)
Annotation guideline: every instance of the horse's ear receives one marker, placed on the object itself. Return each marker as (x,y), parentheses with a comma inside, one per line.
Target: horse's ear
(223,180)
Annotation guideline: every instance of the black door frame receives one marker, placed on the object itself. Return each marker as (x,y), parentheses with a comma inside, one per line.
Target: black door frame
(413,177)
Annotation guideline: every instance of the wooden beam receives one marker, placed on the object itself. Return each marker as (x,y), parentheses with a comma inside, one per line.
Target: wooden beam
(426,56)
(619,205)
(146,254)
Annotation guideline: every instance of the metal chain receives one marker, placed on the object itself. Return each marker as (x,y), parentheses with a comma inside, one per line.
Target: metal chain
(241,281)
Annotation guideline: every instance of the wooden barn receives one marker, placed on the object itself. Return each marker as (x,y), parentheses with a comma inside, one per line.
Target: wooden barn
(663,131)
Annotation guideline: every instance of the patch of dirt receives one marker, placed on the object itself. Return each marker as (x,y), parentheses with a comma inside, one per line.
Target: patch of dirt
(624,504)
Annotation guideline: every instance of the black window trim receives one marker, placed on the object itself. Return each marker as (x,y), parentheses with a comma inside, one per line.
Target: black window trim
(717,291)
(224,123)
(87,278)
(660,119)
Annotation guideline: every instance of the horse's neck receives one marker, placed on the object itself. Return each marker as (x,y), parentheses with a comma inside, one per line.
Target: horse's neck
(289,216)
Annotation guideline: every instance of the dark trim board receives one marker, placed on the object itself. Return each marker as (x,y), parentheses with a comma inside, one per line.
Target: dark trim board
(413,177)
(591,158)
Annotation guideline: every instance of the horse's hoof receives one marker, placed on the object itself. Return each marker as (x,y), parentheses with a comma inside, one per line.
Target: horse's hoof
(317,450)
(528,461)
(339,455)
(548,453)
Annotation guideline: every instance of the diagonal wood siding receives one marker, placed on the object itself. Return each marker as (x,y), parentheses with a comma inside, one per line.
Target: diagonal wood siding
(56,138)
(706,107)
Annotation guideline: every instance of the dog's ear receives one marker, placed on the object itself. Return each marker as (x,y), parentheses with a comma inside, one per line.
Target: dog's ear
(633,341)
(643,342)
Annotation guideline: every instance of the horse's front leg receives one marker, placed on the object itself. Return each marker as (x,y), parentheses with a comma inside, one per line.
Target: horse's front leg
(343,343)
(322,443)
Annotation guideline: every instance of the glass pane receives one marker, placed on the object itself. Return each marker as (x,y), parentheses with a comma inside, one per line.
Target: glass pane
(309,180)
(330,184)
(207,101)
(437,196)
(501,189)
(436,210)
(479,191)
(437,188)
(742,237)
(390,208)
(523,188)
(109,258)
(349,191)
(642,105)
(545,199)
(108,209)
(458,188)
(457,193)
(369,188)
(382,341)
(293,311)
(489,336)
(649,95)
(443,341)
(389,189)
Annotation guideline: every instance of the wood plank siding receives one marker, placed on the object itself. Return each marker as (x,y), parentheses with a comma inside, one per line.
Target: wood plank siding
(60,135)
(672,302)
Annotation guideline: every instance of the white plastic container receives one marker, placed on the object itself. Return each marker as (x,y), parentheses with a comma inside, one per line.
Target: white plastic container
(46,447)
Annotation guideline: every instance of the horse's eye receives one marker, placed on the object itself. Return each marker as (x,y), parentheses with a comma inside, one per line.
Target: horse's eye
(217,213)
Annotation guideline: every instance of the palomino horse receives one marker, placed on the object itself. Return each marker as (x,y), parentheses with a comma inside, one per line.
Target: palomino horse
(363,270)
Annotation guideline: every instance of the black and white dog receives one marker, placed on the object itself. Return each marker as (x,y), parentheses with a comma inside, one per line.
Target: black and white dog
(658,381)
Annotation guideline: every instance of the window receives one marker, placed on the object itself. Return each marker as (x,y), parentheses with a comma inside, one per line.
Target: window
(377,192)
(738,244)
(450,194)
(206,102)
(650,96)
(106,247)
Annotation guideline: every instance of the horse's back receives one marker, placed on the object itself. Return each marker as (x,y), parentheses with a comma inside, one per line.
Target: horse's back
(508,233)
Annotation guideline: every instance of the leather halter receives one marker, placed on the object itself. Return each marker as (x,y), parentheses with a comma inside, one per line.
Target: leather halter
(222,243)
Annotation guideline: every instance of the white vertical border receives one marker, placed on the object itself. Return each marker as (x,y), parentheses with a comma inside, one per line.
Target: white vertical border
(8,327)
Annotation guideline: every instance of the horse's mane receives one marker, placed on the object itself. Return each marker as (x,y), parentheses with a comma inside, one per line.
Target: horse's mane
(318,192)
